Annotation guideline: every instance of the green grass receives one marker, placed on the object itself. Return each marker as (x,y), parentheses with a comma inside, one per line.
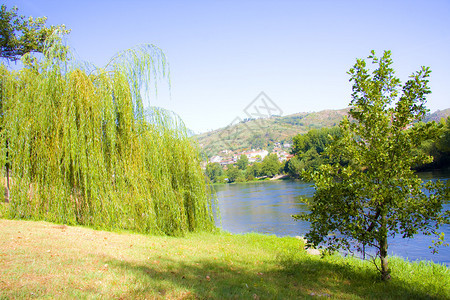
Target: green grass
(45,260)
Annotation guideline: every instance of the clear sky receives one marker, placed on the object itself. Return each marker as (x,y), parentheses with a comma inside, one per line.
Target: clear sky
(222,54)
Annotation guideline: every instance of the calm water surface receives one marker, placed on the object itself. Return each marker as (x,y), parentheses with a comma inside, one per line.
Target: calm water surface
(266,207)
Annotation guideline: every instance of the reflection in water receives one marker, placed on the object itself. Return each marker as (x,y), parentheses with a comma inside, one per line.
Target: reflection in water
(266,207)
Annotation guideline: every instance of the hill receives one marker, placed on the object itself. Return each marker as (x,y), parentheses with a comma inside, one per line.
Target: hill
(263,133)
(437,115)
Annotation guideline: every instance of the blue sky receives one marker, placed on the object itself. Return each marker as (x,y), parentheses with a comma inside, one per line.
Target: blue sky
(222,54)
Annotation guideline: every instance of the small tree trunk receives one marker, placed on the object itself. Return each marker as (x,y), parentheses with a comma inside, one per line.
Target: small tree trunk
(385,272)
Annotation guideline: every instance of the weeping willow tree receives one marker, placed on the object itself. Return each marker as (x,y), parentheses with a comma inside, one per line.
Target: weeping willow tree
(82,150)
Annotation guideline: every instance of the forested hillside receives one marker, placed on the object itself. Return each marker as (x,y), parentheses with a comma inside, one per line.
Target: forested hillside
(263,133)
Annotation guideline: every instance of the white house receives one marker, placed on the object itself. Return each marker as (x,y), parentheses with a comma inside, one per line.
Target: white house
(215,159)
(253,154)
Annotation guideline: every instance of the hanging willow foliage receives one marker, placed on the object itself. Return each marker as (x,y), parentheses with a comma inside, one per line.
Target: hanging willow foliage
(81,150)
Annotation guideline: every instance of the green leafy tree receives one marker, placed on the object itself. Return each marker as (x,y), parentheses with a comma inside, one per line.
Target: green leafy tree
(20,35)
(293,167)
(308,150)
(234,174)
(308,161)
(249,177)
(283,167)
(439,149)
(443,145)
(316,139)
(377,195)
(270,165)
(254,170)
(83,151)
(214,171)
(242,162)
(444,142)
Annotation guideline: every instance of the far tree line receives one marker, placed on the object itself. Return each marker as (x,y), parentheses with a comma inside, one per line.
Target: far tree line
(308,150)
(243,171)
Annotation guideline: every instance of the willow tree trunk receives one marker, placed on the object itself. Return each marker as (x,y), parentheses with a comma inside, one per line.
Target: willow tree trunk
(7,185)
(7,174)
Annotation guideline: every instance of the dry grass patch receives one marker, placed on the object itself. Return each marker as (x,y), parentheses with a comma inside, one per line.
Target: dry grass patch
(44,260)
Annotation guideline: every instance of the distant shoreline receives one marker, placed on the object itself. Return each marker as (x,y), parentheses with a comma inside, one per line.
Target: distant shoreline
(279,177)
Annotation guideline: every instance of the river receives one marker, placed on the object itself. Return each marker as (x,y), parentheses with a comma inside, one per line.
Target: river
(266,207)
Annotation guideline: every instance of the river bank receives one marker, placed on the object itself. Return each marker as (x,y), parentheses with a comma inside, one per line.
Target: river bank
(278,177)
(39,259)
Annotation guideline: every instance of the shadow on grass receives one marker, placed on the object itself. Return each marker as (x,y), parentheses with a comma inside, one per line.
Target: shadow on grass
(345,279)
(289,279)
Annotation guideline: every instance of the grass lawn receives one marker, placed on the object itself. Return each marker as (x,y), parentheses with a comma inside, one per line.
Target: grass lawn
(45,260)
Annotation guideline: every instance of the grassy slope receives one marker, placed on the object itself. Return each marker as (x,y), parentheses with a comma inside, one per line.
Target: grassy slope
(39,259)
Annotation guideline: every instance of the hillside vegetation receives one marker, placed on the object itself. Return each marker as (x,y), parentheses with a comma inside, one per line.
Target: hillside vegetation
(263,133)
